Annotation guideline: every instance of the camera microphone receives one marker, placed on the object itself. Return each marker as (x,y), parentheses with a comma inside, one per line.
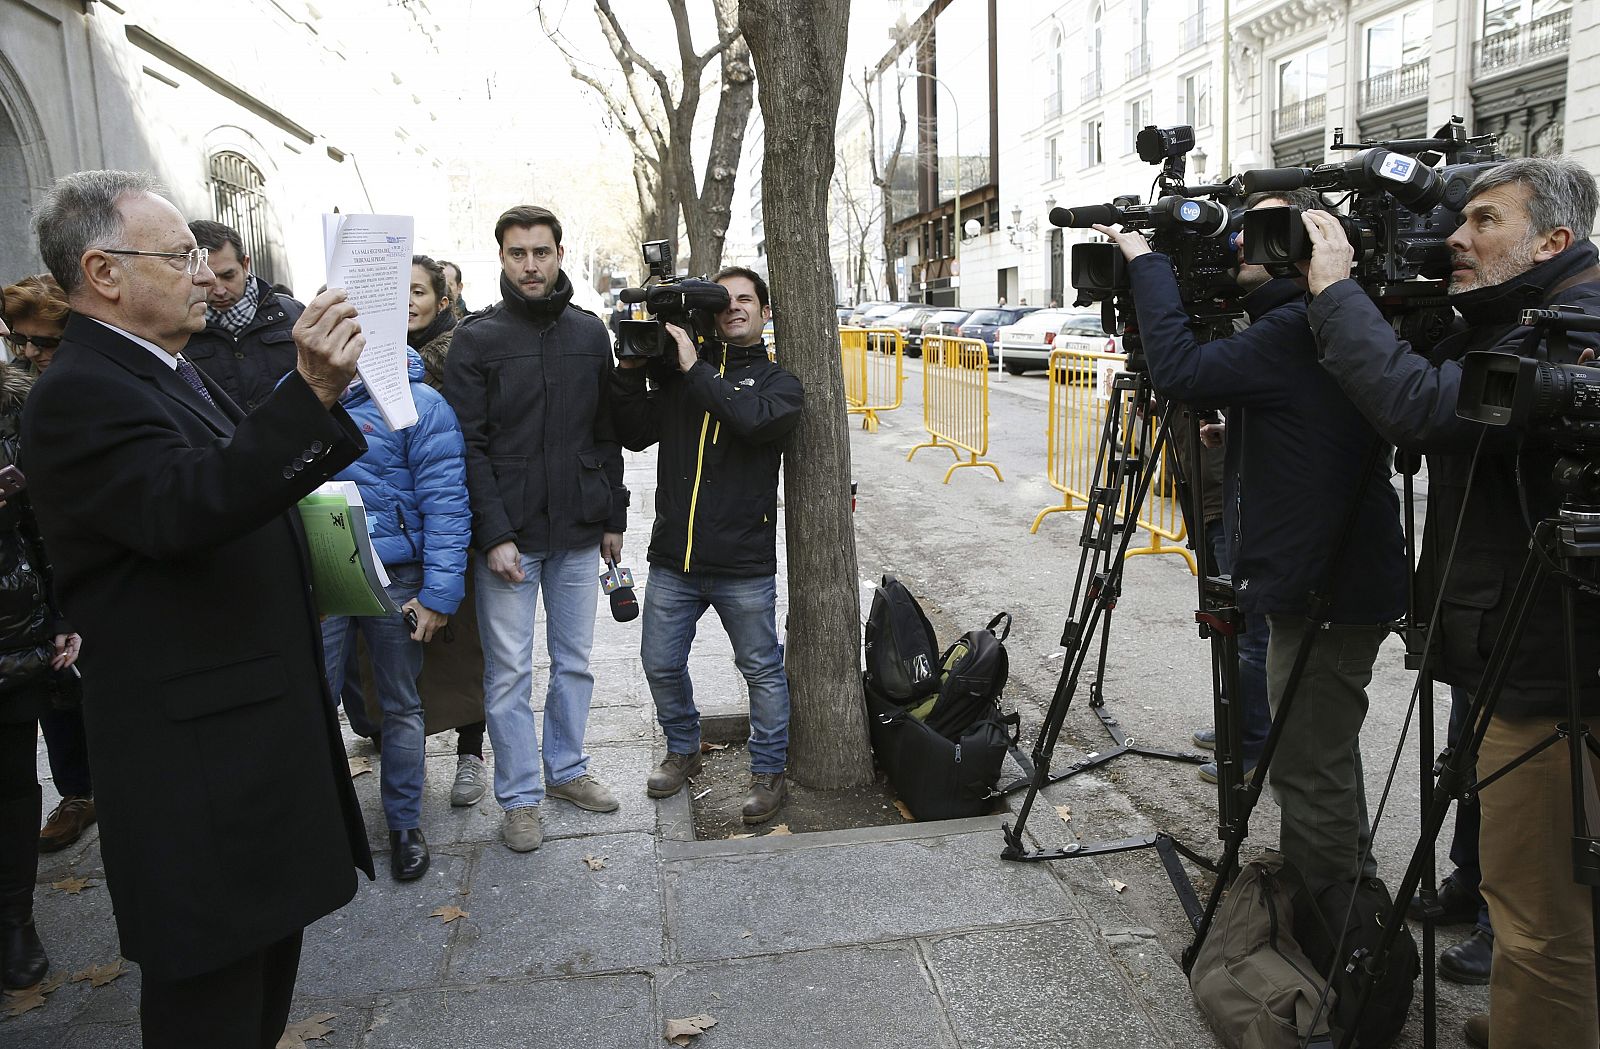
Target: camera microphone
(618,585)
(633,295)
(1084,217)
(1265,179)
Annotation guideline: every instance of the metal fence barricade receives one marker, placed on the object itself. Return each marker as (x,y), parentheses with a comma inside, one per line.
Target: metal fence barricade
(955,400)
(1079,397)
(874,371)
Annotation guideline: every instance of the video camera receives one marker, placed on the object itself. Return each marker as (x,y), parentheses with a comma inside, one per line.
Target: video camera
(1188,224)
(1563,400)
(1407,197)
(689,302)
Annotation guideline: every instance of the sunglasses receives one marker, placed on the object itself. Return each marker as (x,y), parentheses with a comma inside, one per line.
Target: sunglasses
(43,342)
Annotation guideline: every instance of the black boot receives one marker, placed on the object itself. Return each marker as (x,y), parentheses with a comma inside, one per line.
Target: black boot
(22,958)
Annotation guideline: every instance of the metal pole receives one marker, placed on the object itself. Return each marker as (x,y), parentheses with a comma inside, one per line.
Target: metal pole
(1225,169)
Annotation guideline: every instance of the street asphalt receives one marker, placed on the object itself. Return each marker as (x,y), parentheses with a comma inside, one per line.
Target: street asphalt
(915,935)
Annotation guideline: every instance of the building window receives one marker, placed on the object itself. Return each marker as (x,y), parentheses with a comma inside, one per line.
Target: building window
(1501,16)
(1057,64)
(1055,158)
(239,199)
(1397,57)
(1302,91)
(1093,154)
(1138,115)
(1195,96)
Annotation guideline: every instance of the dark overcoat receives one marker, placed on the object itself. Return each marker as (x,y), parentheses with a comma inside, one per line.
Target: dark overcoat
(227,818)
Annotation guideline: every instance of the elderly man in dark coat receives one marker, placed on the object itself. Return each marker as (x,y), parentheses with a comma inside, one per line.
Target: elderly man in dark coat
(227,819)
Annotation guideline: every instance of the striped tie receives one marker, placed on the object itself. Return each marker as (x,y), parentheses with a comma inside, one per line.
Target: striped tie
(191,375)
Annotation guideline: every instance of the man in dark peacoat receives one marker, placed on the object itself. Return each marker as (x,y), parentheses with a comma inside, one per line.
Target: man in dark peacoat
(227,819)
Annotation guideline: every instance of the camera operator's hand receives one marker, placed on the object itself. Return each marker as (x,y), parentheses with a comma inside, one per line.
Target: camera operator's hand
(686,352)
(1132,244)
(1213,434)
(1331,253)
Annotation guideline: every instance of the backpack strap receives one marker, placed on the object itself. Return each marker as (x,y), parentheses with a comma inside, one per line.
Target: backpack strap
(1005,631)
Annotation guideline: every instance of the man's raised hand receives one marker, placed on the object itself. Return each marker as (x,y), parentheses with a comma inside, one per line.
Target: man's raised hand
(329,342)
(1331,253)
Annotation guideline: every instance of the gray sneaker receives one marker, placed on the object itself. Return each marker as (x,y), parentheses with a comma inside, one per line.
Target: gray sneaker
(522,830)
(669,776)
(767,793)
(586,792)
(471,781)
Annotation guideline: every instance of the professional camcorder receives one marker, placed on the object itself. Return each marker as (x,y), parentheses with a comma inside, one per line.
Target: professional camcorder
(1562,400)
(690,303)
(1406,200)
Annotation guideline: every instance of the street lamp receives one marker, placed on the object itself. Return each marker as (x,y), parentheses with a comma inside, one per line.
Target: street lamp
(955,227)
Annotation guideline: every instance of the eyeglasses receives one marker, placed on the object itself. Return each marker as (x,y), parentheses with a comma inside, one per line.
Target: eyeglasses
(193,259)
(43,342)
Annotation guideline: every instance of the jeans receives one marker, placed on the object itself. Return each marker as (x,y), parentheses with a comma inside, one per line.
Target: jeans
(747,605)
(1316,771)
(68,749)
(354,699)
(1255,714)
(506,612)
(396,662)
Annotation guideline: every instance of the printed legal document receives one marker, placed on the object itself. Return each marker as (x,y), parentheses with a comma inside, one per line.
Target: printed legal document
(369,256)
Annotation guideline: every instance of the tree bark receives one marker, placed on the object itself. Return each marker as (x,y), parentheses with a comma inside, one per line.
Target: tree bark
(798,47)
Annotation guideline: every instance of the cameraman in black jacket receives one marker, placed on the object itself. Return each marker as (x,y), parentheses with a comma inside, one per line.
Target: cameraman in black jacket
(720,419)
(1296,448)
(1524,242)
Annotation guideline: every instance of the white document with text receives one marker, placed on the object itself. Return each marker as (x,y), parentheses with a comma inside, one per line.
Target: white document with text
(369,256)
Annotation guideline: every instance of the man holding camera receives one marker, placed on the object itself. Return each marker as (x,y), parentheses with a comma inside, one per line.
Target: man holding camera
(1523,242)
(720,417)
(529,380)
(1299,457)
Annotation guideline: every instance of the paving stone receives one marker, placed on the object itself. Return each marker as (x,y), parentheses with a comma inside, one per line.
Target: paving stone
(88,1036)
(731,905)
(545,913)
(77,932)
(845,998)
(601,1012)
(1051,986)
(384,939)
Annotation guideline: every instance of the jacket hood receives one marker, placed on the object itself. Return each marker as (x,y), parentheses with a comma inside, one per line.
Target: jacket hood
(1503,303)
(1279,291)
(540,308)
(357,391)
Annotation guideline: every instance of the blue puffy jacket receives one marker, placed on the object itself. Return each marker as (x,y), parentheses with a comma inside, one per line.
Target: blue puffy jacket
(414,485)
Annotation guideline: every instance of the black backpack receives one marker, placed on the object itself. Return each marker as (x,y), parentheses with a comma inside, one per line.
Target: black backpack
(975,672)
(901,650)
(1318,911)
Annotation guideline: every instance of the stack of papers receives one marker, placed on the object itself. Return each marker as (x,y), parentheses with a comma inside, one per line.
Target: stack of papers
(346,576)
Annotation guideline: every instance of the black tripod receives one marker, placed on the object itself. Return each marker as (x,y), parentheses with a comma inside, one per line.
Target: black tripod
(1560,549)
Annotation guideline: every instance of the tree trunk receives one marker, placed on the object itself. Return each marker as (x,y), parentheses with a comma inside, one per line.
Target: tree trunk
(715,211)
(798,47)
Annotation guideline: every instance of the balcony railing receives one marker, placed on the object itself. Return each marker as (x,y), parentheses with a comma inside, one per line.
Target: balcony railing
(1052,105)
(1523,45)
(1194,31)
(1395,86)
(1091,85)
(1300,116)
(1139,61)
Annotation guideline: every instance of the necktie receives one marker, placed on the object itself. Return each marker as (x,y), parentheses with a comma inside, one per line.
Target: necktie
(191,375)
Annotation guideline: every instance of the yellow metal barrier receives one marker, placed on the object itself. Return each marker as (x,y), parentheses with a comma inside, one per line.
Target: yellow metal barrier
(874,371)
(955,400)
(1079,397)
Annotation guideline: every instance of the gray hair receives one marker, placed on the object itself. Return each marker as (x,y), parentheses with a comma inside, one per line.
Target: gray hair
(1561,192)
(80,212)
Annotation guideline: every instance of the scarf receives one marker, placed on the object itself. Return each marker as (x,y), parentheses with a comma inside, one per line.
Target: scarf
(540,309)
(440,324)
(236,317)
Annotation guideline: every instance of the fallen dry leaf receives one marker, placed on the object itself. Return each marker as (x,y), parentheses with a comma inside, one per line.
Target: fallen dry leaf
(680,1031)
(449,913)
(1065,812)
(313,1028)
(360,766)
(23,1001)
(73,886)
(48,986)
(100,975)
(712,748)
(782,828)
(905,813)
(596,863)
(1116,885)
(733,837)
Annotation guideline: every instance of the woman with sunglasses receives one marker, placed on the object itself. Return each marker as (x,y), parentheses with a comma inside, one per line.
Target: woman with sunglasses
(37,650)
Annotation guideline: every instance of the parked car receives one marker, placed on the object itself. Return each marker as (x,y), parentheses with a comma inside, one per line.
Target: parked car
(907,321)
(877,313)
(983,323)
(941,322)
(844,313)
(1029,342)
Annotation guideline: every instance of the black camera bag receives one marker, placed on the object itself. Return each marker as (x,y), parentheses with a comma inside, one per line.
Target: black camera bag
(901,650)
(1318,910)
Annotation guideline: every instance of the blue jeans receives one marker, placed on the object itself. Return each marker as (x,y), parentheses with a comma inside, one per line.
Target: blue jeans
(1255,715)
(747,605)
(506,611)
(396,662)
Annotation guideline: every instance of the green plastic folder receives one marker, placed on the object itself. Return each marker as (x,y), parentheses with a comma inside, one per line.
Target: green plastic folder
(346,576)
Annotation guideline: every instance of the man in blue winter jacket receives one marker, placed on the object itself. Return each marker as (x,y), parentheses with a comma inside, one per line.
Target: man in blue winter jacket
(1296,449)
(413,484)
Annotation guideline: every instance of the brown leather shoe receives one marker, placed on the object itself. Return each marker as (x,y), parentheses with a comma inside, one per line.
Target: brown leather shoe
(66,824)
(1477,1030)
(767,793)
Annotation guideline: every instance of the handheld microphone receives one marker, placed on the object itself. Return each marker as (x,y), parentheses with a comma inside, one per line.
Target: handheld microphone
(617,583)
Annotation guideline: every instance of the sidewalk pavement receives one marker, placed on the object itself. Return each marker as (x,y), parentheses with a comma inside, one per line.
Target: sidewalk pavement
(916,935)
